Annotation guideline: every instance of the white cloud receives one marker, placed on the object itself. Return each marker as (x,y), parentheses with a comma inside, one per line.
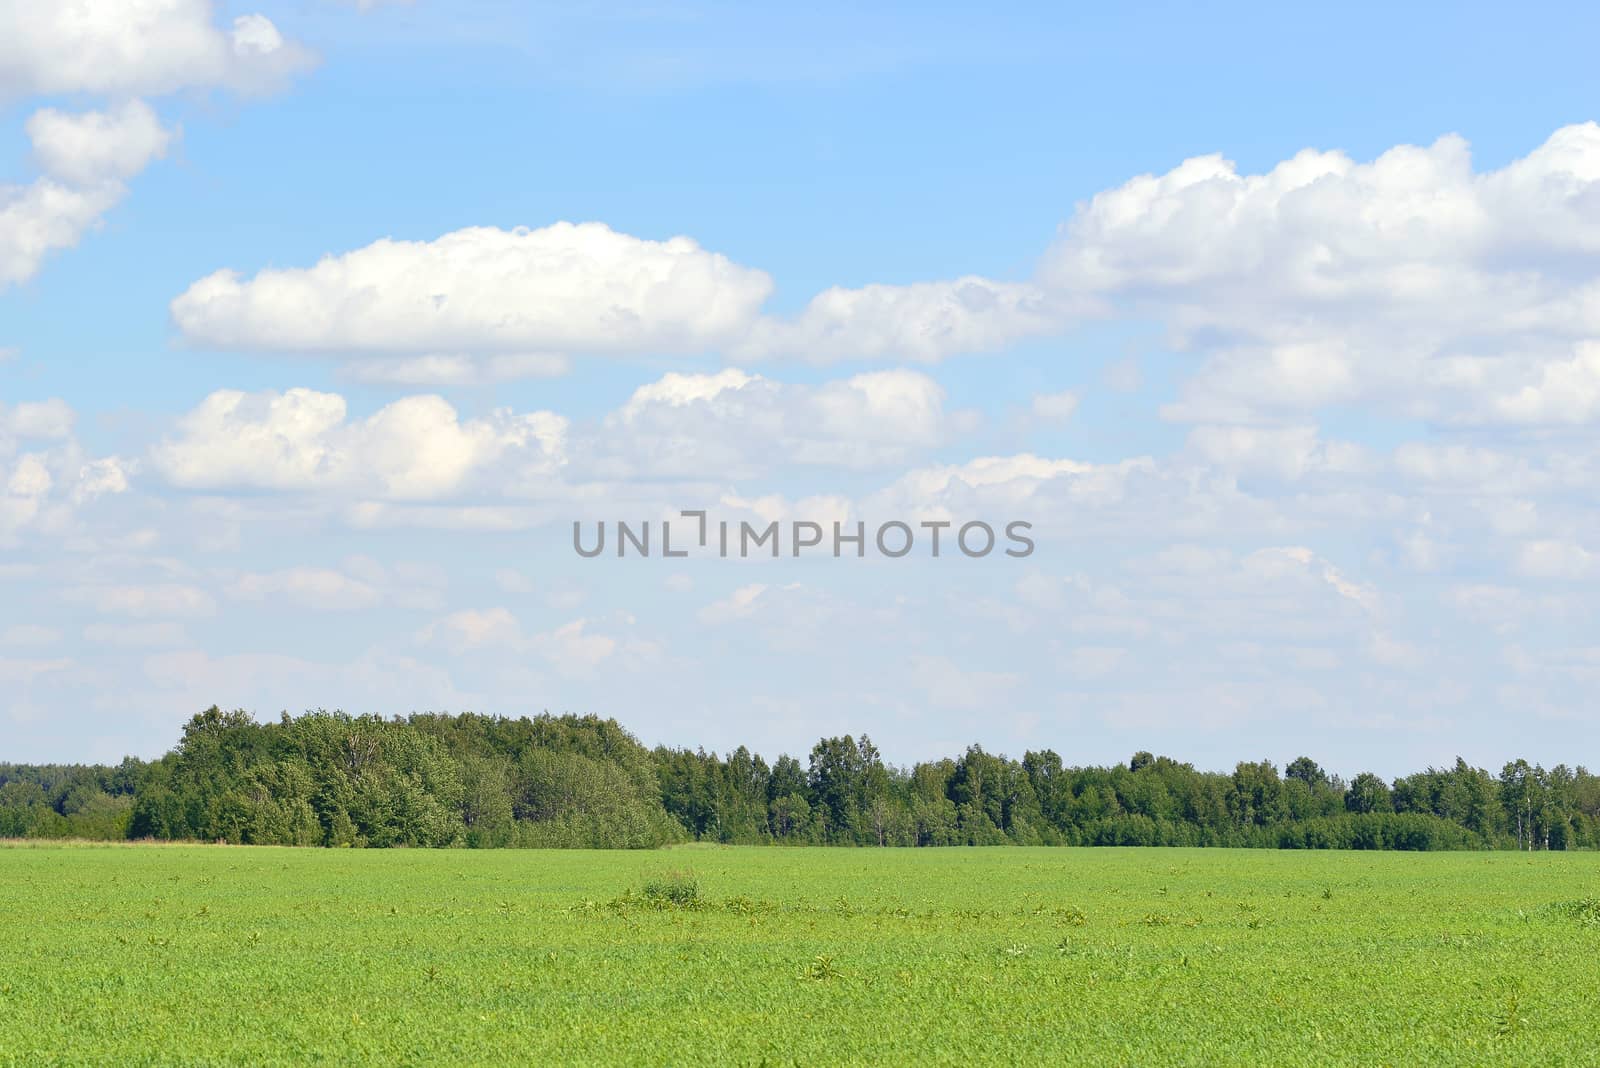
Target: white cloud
(1296,558)
(122,49)
(923,322)
(1288,452)
(485,304)
(138,48)
(96,146)
(482,291)
(43,217)
(572,648)
(44,488)
(1562,390)
(418,462)
(732,424)
(1410,281)
(85,158)
(96,478)
(473,627)
(414,448)
(1022,486)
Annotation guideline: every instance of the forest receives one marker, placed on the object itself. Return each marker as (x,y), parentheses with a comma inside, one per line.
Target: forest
(330,779)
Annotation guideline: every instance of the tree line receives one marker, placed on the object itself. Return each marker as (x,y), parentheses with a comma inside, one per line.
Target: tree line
(330,779)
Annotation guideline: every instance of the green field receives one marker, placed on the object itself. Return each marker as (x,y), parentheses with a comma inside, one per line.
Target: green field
(252,955)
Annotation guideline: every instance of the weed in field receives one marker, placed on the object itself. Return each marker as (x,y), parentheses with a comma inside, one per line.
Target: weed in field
(1509,1019)
(822,969)
(1584,911)
(673,889)
(744,906)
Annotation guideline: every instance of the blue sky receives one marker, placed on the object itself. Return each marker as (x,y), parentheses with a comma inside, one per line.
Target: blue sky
(1305,426)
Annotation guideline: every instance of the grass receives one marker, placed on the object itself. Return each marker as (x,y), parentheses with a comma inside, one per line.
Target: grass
(205,954)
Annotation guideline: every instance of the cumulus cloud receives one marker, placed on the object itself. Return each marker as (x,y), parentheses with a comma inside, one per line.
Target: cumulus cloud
(95,146)
(732,424)
(683,437)
(1411,281)
(1287,452)
(85,159)
(1562,390)
(43,217)
(1021,486)
(36,419)
(561,289)
(122,49)
(45,475)
(485,304)
(138,48)
(415,448)
(922,322)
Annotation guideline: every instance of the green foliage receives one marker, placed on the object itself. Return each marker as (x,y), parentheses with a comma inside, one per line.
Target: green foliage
(331,779)
(427,781)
